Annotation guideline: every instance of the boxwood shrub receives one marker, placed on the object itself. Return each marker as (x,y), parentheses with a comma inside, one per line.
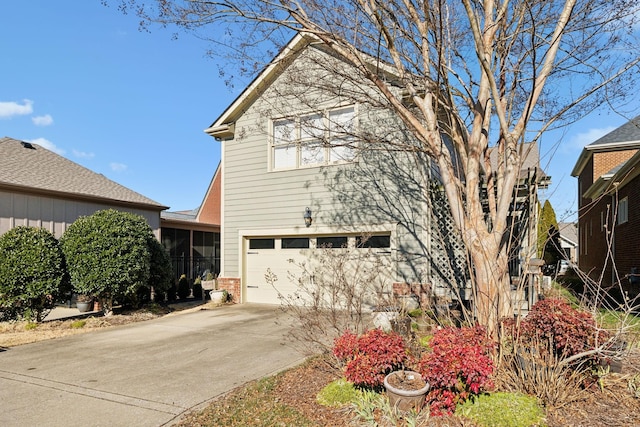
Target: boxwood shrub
(33,274)
(108,255)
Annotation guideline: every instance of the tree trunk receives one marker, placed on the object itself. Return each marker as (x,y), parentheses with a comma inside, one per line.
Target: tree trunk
(490,265)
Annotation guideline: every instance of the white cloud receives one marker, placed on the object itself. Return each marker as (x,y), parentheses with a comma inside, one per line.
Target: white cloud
(118,167)
(579,140)
(10,109)
(48,145)
(83,154)
(45,120)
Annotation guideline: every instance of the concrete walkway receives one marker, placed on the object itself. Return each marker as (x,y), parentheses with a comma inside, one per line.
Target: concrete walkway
(142,374)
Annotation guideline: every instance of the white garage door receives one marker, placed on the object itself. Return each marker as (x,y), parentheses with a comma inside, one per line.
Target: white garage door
(283,256)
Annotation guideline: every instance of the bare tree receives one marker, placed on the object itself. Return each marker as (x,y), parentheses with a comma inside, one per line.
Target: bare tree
(468,76)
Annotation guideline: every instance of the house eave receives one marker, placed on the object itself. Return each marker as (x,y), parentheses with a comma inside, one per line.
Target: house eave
(223,131)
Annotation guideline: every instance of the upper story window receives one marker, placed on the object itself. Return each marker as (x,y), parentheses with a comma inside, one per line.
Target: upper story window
(623,210)
(313,139)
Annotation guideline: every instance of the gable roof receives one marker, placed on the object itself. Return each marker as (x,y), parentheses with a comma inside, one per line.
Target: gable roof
(30,167)
(569,232)
(625,137)
(223,126)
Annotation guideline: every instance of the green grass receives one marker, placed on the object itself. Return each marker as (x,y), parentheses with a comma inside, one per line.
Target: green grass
(611,319)
(252,406)
(503,410)
(30,326)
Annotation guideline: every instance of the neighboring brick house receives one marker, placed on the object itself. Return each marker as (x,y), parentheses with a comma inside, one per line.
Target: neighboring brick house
(609,207)
(39,188)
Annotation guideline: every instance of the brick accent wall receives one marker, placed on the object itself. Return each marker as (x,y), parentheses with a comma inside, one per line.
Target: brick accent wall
(604,162)
(231,285)
(422,290)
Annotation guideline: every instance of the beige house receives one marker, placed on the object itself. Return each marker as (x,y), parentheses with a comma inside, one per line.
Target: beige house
(39,188)
(309,166)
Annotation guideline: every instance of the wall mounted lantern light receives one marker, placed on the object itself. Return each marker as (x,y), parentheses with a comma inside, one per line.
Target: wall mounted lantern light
(307,217)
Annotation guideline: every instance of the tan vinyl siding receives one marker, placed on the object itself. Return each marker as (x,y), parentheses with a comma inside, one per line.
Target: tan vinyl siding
(55,214)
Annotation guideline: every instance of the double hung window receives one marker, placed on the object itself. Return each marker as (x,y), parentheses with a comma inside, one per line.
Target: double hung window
(314,139)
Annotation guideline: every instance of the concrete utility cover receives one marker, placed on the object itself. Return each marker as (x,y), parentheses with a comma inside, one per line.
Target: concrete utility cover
(143,374)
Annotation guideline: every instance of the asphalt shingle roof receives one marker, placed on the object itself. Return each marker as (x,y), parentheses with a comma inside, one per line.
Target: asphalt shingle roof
(40,169)
(629,131)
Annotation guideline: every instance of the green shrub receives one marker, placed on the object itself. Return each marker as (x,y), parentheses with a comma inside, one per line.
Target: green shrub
(183,287)
(33,273)
(108,255)
(78,324)
(160,268)
(197,290)
(503,410)
(30,326)
(415,313)
(338,393)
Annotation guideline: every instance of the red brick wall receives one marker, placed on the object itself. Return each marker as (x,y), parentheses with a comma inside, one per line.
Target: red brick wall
(604,162)
(592,238)
(231,285)
(210,209)
(627,235)
(422,290)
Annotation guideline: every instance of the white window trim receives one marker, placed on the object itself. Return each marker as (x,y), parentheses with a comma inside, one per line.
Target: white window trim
(300,141)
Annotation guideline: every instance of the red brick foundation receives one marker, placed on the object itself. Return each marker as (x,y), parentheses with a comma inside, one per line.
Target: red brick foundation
(231,285)
(421,290)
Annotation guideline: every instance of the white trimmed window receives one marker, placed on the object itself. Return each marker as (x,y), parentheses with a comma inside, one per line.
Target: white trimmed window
(623,210)
(314,139)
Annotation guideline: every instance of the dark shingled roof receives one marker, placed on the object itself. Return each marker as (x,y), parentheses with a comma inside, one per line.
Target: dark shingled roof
(628,132)
(37,168)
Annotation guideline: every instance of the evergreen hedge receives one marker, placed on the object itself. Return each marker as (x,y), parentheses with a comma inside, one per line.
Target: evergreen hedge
(108,255)
(33,274)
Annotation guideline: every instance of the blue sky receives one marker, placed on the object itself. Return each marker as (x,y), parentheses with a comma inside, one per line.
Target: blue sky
(80,79)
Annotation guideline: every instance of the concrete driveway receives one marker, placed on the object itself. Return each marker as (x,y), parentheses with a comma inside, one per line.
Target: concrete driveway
(144,374)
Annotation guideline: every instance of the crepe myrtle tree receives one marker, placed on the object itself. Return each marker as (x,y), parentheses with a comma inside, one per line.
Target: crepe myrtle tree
(464,78)
(108,255)
(33,275)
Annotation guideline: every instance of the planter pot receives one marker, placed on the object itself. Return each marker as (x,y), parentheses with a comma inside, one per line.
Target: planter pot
(84,306)
(406,390)
(209,285)
(216,296)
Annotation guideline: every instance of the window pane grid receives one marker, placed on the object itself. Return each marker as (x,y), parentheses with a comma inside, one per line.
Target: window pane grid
(303,142)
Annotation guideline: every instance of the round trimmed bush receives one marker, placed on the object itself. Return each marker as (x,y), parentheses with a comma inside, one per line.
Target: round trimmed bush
(108,255)
(33,274)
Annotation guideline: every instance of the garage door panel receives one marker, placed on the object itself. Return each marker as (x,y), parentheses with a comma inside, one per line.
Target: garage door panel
(277,260)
